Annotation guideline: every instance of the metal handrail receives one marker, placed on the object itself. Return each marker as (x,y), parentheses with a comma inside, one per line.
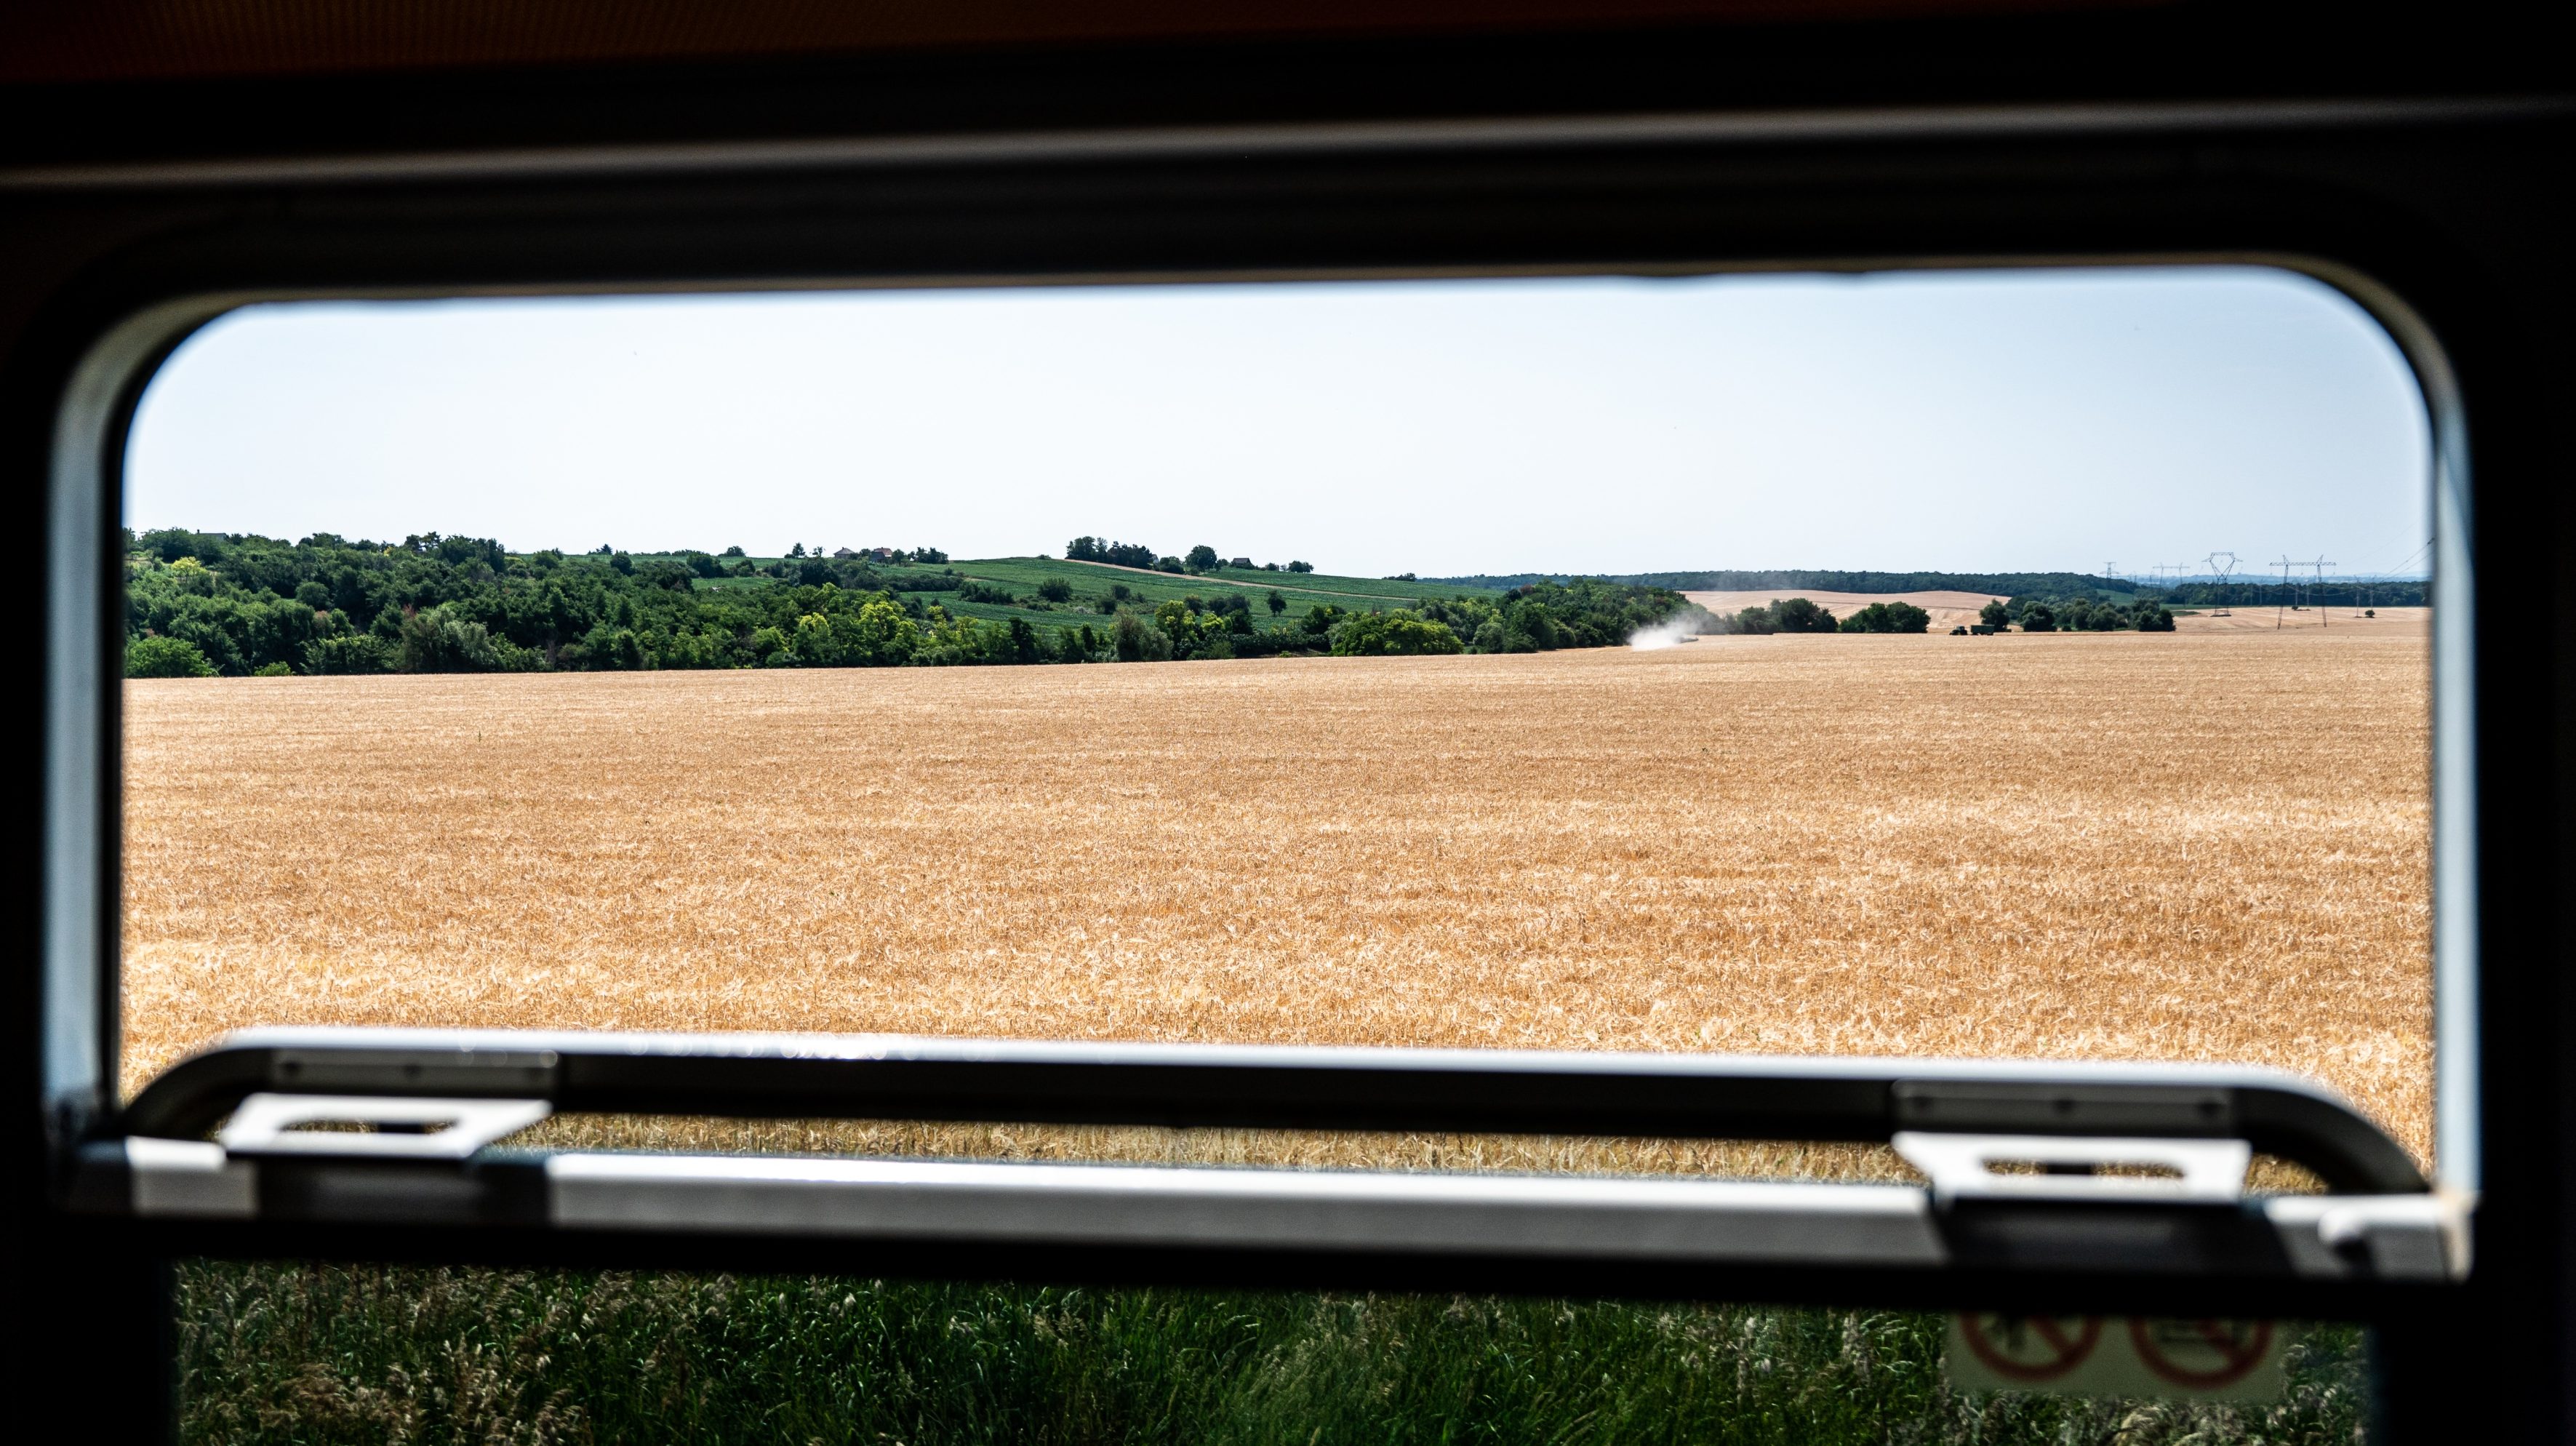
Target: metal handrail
(1292,1087)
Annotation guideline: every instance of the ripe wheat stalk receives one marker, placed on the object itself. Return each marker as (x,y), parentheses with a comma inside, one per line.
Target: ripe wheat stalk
(2206,847)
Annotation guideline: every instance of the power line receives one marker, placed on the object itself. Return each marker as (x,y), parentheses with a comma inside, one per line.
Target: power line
(2410,560)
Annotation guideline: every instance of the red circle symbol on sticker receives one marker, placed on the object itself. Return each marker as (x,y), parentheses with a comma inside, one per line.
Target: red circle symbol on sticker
(2031,1348)
(2201,1355)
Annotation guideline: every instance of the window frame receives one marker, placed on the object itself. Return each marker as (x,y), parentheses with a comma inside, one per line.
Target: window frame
(81,963)
(108,331)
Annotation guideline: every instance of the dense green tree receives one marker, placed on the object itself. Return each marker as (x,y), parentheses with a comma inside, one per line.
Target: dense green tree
(1401,632)
(353,653)
(1119,554)
(1528,627)
(438,640)
(1888,617)
(1200,559)
(157,657)
(2086,613)
(1138,641)
(667,575)
(1278,604)
(1799,615)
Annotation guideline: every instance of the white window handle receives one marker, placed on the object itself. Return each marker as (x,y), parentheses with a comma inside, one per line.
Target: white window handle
(400,1128)
(1962,1167)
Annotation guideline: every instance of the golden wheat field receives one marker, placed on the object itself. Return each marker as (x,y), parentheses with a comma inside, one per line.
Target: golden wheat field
(2205,846)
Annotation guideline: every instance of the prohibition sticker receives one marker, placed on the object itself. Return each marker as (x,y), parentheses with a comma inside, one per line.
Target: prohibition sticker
(2193,1359)
(2201,1355)
(2030,1350)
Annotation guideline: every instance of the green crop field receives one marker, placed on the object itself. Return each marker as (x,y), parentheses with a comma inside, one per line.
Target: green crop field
(1391,589)
(1302,590)
(1092,583)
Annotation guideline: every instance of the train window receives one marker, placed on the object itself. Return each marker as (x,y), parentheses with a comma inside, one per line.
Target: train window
(1889,773)
(550,747)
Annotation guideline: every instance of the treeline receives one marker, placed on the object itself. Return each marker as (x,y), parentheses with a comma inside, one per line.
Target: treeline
(1788,580)
(1801,615)
(1201,558)
(1121,554)
(2331,593)
(202,604)
(1542,617)
(2078,614)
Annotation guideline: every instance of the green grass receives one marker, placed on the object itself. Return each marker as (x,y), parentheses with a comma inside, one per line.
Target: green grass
(330,1354)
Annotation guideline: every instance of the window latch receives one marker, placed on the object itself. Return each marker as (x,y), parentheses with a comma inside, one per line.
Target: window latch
(380,1127)
(2063,1167)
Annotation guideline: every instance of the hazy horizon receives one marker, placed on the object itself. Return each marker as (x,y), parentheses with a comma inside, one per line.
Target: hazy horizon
(1964,422)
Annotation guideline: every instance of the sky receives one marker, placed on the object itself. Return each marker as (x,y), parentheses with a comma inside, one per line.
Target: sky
(1964,422)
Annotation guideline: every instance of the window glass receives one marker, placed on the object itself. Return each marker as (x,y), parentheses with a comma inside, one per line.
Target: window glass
(2015,664)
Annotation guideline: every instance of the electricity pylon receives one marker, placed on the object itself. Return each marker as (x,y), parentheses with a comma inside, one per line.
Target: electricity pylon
(2222,566)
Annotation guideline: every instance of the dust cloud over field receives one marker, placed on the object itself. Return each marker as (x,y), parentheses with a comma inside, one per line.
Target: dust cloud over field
(2208,847)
